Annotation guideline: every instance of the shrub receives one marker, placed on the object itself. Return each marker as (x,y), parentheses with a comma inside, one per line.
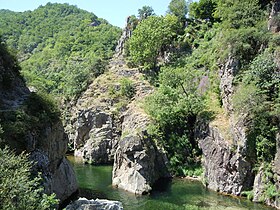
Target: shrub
(127,88)
(18,189)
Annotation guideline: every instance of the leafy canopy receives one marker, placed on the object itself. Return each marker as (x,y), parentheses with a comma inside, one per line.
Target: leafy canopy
(145,12)
(59,58)
(150,36)
(178,8)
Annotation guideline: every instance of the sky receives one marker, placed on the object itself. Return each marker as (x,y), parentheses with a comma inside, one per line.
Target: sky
(115,11)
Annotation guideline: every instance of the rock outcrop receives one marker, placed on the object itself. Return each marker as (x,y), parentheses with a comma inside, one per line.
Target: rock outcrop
(224,143)
(84,204)
(94,136)
(226,168)
(47,143)
(127,32)
(48,150)
(108,124)
(139,163)
(273,23)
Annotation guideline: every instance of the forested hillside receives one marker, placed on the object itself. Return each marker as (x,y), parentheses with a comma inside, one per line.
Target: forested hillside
(217,76)
(195,92)
(60,48)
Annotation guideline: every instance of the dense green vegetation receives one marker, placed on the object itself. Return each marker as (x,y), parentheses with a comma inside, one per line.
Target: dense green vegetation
(60,48)
(19,189)
(187,91)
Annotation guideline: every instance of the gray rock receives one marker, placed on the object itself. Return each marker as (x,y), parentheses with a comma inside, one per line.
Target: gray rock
(94,139)
(127,32)
(226,169)
(48,151)
(259,185)
(227,73)
(138,163)
(98,204)
(273,23)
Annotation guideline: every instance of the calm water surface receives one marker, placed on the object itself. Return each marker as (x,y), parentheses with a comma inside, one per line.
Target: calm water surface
(179,194)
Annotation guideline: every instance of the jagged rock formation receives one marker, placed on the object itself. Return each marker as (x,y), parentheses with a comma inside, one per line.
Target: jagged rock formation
(84,204)
(138,161)
(47,146)
(227,73)
(107,124)
(226,168)
(273,23)
(127,32)
(224,141)
(48,150)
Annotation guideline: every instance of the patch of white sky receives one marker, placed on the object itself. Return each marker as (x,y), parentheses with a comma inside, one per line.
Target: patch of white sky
(114,11)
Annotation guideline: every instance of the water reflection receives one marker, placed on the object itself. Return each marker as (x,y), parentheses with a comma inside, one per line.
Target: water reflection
(178,194)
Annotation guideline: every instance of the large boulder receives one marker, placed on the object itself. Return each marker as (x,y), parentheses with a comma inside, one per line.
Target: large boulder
(139,162)
(98,204)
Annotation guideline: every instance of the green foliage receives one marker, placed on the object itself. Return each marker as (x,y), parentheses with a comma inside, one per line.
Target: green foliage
(59,58)
(38,110)
(204,10)
(192,171)
(127,88)
(149,39)
(174,107)
(239,13)
(179,8)
(18,189)
(258,95)
(145,12)
(248,194)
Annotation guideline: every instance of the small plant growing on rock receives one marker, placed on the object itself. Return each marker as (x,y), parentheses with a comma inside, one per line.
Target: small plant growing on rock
(127,88)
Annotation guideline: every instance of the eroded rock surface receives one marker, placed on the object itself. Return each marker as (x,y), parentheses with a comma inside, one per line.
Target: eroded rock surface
(98,204)
(139,163)
(47,144)
(226,169)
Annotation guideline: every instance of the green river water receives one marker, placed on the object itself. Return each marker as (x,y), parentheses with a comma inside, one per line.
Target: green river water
(179,194)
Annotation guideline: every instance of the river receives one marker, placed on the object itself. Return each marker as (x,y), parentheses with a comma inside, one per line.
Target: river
(178,194)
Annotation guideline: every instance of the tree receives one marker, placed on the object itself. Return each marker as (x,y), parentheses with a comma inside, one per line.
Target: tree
(150,36)
(178,8)
(18,190)
(145,12)
(204,9)
(174,106)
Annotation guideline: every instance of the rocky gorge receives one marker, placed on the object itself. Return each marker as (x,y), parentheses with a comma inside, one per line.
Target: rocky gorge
(107,127)
(107,124)
(47,144)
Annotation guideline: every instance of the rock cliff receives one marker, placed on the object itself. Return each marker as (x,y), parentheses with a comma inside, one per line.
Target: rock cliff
(46,143)
(139,163)
(108,125)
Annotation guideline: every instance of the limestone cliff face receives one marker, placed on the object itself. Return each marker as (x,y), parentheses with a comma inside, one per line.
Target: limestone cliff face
(47,146)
